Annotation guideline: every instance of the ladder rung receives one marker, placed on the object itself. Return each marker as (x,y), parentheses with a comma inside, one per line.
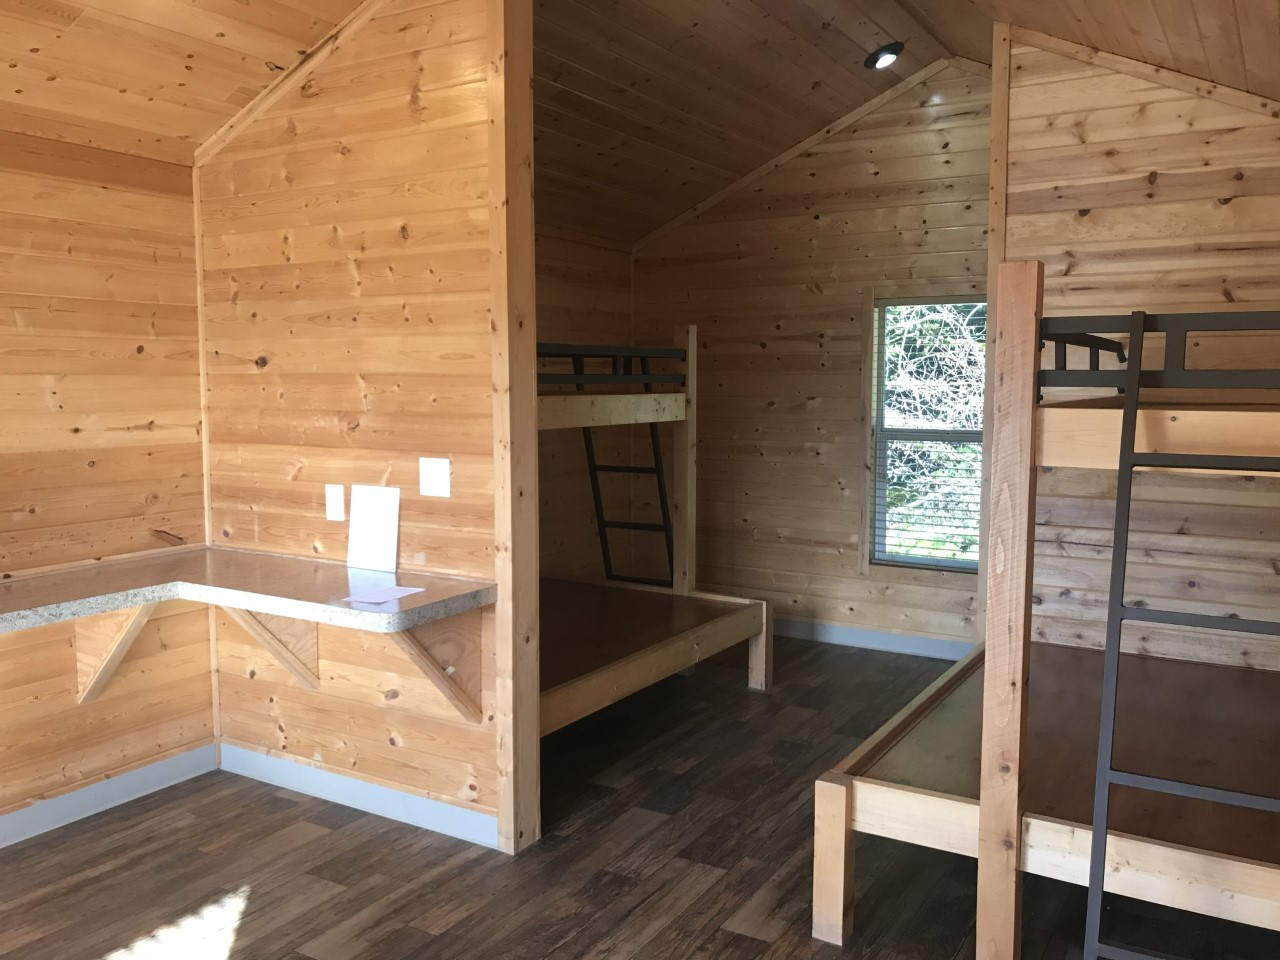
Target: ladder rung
(1196,791)
(1204,621)
(620,468)
(1207,461)
(632,525)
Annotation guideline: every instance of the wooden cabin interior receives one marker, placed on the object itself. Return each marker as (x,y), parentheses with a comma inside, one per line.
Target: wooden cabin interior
(640,479)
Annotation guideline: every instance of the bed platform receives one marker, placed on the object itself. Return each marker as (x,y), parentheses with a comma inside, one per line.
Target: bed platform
(917,780)
(602,642)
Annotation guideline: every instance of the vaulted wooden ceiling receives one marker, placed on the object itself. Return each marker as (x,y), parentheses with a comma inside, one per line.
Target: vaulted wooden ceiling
(147,77)
(643,108)
(1231,42)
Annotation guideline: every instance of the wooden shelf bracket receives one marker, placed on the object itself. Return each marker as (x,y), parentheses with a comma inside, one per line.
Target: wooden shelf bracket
(440,676)
(303,672)
(102,643)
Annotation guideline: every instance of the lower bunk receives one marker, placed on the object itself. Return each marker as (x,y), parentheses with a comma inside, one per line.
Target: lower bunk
(917,779)
(601,642)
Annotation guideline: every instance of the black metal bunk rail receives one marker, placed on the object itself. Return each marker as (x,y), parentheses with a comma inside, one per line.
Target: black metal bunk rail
(1106,776)
(622,370)
(1177,327)
(623,362)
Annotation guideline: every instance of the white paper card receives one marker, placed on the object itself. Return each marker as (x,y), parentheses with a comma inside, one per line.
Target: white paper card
(374,531)
(365,581)
(335,501)
(382,594)
(433,477)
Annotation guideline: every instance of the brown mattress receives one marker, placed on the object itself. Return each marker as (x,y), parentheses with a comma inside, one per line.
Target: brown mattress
(1214,725)
(586,626)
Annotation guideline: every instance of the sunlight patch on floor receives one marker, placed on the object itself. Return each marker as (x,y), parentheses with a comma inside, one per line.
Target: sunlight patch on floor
(207,934)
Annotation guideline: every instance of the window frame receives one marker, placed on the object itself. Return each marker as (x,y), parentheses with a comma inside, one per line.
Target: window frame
(877,527)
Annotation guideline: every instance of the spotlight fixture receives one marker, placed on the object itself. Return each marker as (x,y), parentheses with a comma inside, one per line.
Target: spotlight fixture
(881,58)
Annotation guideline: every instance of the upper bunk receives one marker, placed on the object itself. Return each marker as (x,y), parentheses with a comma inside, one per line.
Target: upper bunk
(1210,381)
(593,385)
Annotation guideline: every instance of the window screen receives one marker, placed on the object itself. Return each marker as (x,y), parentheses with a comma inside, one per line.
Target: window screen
(930,364)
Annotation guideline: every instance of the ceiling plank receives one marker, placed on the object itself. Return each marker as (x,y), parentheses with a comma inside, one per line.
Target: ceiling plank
(831,129)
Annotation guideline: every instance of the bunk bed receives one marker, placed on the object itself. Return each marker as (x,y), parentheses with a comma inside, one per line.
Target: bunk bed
(601,642)
(1015,753)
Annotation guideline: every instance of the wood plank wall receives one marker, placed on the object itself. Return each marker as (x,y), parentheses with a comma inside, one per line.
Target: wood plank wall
(347,309)
(778,278)
(158,704)
(1198,543)
(375,717)
(99,370)
(100,449)
(347,294)
(584,296)
(1139,194)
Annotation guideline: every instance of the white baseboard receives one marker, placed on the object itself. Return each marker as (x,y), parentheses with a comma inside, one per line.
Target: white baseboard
(846,636)
(386,802)
(45,815)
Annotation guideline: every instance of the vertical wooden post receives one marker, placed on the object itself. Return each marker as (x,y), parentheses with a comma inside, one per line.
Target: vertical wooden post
(833,841)
(760,653)
(515,427)
(684,489)
(997,204)
(1009,533)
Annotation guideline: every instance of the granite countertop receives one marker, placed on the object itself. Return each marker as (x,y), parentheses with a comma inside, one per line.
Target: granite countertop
(296,587)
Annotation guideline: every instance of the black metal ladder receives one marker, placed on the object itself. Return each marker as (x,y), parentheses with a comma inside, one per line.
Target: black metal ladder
(623,372)
(1174,374)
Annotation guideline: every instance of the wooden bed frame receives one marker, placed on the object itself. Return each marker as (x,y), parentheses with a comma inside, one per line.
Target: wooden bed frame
(962,767)
(601,642)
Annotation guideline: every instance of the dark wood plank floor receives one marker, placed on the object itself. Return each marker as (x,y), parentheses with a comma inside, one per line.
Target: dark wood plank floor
(678,828)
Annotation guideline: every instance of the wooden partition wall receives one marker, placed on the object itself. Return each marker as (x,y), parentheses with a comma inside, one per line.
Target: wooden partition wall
(348,288)
(1140,188)
(351,289)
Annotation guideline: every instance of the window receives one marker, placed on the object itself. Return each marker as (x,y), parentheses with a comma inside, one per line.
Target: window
(927,433)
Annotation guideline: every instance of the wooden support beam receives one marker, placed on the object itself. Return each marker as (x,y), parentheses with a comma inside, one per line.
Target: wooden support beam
(833,842)
(760,652)
(288,81)
(265,638)
(684,472)
(1009,536)
(997,238)
(106,638)
(441,677)
(513,344)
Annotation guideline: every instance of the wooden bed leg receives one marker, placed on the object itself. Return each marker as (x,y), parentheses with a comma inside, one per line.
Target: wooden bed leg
(760,655)
(833,840)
